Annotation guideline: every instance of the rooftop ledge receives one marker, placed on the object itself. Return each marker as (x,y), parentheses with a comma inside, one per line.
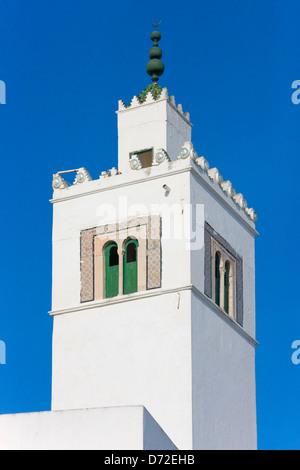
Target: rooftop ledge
(111,179)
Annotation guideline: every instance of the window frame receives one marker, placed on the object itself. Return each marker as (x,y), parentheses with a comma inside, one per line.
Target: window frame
(146,229)
(225,257)
(107,258)
(138,153)
(128,242)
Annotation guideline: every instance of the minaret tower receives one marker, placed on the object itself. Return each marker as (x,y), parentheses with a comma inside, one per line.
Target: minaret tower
(154,282)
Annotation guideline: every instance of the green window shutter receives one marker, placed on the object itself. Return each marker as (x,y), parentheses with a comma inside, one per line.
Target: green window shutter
(226,287)
(217,279)
(130,284)
(111,270)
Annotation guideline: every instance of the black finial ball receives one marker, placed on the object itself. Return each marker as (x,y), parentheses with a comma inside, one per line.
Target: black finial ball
(155,36)
(155,53)
(155,67)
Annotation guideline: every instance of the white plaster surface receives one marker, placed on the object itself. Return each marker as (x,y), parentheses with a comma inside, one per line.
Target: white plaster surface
(155,125)
(224,395)
(119,428)
(128,354)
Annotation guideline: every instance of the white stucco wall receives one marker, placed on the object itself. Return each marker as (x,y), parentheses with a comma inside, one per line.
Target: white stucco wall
(120,428)
(224,394)
(128,353)
(154,125)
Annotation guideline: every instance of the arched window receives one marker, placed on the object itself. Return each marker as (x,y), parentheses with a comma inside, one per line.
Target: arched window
(130,274)
(217,278)
(111,270)
(223,277)
(226,286)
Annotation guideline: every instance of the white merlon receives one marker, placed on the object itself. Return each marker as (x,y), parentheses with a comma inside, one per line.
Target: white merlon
(134,102)
(58,182)
(203,163)
(252,214)
(122,105)
(164,94)
(149,98)
(228,188)
(215,175)
(82,176)
(239,199)
(113,172)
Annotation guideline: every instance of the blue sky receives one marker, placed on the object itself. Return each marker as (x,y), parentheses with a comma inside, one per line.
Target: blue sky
(231,64)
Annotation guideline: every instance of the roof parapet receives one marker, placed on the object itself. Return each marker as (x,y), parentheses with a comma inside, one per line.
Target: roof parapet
(152,95)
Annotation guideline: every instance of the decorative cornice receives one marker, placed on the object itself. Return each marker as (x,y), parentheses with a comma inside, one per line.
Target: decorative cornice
(154,293)
(193,168)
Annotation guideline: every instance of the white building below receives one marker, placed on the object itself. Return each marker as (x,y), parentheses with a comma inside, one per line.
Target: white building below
(120,428)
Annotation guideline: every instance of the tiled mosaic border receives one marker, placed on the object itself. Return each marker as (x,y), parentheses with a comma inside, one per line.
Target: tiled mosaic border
(87,264)
(153,224)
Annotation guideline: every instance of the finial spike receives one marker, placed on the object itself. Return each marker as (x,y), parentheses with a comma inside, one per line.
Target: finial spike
(155,67)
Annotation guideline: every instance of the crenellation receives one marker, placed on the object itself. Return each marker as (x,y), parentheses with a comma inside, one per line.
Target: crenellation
(166,165)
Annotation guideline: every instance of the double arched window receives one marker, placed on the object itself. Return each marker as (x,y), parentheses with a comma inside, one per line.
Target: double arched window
(121,269)
(224,279)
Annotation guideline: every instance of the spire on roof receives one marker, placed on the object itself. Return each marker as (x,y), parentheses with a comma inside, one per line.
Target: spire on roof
(155,67)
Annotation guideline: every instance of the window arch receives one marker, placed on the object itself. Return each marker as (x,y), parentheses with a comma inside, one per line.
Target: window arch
(227,286)
(217,278)
(130,267)
(223,276)
(111,257)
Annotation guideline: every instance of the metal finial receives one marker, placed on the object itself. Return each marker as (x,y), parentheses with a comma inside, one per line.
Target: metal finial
(156,25)
(155,67)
